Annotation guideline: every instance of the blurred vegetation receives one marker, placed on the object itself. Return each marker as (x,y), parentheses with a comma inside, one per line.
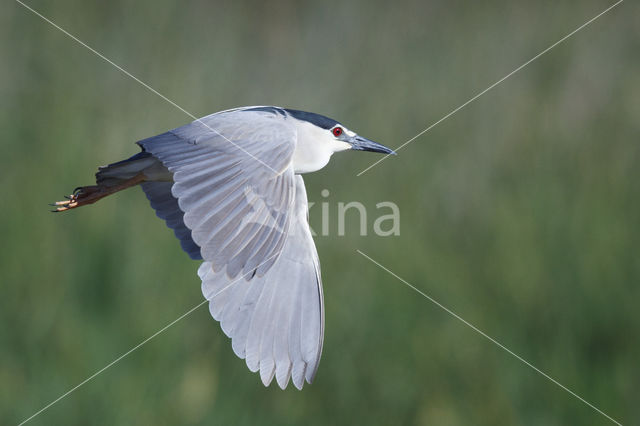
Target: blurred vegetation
(520,212)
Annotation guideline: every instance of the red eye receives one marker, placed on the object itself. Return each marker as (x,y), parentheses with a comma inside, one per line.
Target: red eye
(337,131)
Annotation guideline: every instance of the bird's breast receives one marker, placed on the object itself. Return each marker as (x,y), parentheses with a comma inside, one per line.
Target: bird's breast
(308,158)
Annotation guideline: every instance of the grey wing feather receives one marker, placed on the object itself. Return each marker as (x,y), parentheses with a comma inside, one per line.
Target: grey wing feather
(276,321)
(166,207)
(233,180)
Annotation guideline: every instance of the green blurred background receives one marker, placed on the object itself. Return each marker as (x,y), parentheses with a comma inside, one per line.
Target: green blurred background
(520,212)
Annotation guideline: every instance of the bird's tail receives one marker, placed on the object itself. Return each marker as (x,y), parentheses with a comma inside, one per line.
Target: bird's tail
(115,173)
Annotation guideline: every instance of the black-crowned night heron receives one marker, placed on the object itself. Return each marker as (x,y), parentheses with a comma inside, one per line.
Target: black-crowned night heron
(229,186)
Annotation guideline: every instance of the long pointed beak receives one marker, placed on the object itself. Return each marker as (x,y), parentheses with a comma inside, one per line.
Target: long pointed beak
(362,144)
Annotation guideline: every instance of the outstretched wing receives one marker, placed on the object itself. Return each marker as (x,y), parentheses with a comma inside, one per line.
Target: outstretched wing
(234,182)
(276,321)
(166,207)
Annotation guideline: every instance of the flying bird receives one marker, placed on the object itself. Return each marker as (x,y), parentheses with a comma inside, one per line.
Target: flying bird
(230,186)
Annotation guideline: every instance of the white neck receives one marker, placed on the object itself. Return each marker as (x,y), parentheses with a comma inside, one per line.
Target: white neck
(314,147)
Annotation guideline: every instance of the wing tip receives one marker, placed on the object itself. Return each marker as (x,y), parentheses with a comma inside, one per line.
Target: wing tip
(283,374)
(267,371)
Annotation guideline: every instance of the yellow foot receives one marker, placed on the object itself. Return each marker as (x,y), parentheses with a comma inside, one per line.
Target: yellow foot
(81,196)
(90,194)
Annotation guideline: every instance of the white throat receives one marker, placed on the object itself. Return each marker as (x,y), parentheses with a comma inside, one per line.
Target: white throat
(314,147)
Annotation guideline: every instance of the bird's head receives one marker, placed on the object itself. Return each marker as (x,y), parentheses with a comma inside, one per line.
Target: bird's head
(319,137)
(333,133)
(357,142)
